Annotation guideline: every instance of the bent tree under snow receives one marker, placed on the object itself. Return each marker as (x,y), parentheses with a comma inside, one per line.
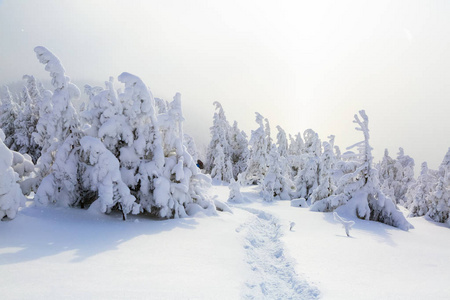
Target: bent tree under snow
(359,192)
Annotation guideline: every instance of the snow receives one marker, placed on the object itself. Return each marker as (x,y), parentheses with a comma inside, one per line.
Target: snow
(54,252)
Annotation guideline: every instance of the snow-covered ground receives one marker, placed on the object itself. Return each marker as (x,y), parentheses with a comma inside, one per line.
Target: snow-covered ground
(57,253)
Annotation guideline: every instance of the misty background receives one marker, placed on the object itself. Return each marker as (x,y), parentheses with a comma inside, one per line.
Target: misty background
(301,64)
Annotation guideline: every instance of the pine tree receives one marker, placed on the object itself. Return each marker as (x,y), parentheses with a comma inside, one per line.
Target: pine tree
(25,125)
(417,194)
(181,188)
(218,157)
(276,184)
(8,113)
(58,119)
(327,185)
(240,152)
(257,162)
(307,178)
(407,175)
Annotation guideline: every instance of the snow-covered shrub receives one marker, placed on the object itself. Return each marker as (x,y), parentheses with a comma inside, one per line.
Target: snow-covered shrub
(359,193)
(235,192)
(11,197)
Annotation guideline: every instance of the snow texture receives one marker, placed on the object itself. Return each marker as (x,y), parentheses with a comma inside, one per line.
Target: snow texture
(273,273)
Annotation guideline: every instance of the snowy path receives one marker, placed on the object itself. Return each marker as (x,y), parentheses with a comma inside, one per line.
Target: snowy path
(273,272)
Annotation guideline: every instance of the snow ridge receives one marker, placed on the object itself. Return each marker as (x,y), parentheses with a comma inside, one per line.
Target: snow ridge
(273,275)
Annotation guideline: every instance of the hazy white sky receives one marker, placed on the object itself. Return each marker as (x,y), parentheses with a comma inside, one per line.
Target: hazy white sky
(301,64)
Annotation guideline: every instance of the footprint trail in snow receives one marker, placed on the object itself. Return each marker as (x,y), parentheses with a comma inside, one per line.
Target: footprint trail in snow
(273,273)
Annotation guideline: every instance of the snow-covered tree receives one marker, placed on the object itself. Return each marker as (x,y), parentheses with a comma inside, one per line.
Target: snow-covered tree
(282,142)
(430,194)
(439,200)
(268,135)
(58,119)
(295,150)
(190,146)
(139,143)
(239,150)
(257,162)
(407,175)
(306,179)
(389,171)
(359,193)
(8,114)
(11,197)
(180,189)
(25,125)
(218,156)
(418,192)
(223,169)
(327,185)
(276,183)
(101,176)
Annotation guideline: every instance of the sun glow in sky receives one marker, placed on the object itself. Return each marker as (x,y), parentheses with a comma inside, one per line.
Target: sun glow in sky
(301,64)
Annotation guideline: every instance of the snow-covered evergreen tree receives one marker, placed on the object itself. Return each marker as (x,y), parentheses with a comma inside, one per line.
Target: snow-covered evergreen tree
(359,193)
(257,162)
(223,169)
(218,156)
(327,185)
(58,119)
(276,183)
(25,125)
(190,146)
(11,197)
(307,178)
(239,150)
(282,142)
(407,175)
(389,171)
(418,192)
(295,151)
(8,114)
(180,189)
(430,194)
(139,143)
(102,180)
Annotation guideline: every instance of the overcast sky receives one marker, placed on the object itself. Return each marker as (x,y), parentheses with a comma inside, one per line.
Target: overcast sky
(301,64)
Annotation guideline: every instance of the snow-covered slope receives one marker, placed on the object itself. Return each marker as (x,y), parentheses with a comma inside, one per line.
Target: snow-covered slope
(59,253)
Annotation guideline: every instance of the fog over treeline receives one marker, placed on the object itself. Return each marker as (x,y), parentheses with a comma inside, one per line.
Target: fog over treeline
(301,65)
